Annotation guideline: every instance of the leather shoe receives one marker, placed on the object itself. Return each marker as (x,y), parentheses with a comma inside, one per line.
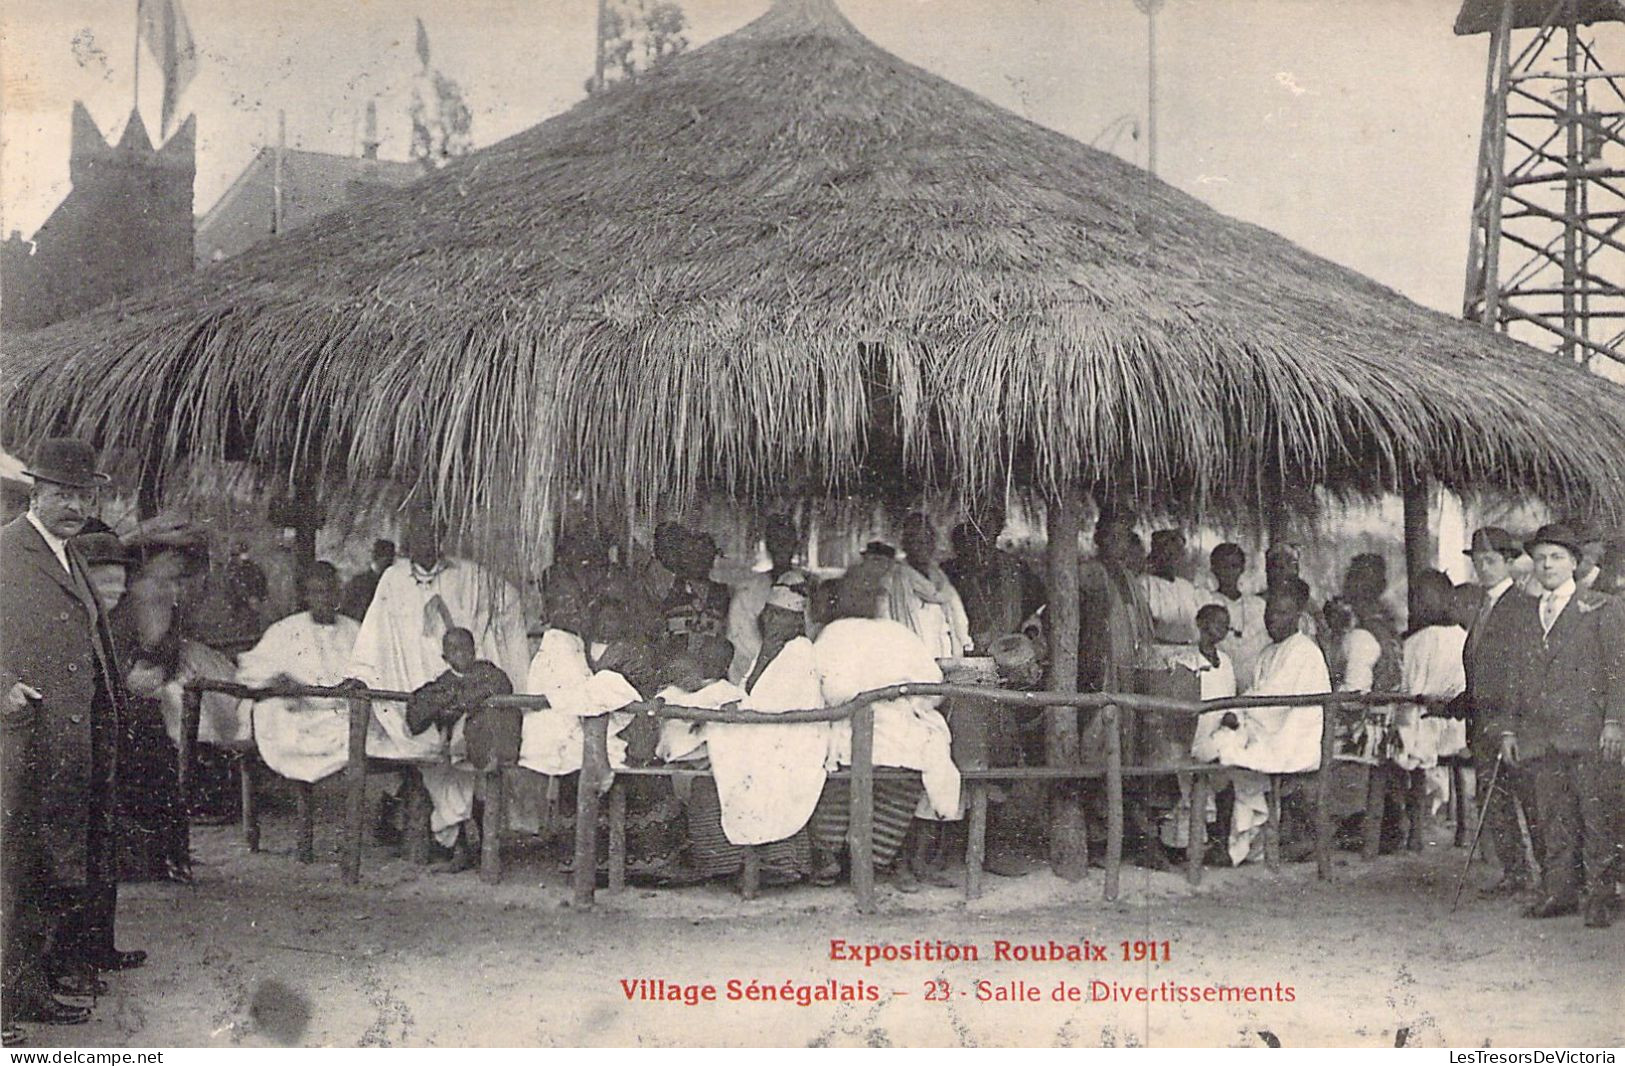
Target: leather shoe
(120,960)
(1599,912)
(1551,907)
(79,984)
(11,1036)
(48,1011)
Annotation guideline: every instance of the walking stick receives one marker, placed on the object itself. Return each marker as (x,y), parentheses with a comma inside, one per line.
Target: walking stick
(1483,816)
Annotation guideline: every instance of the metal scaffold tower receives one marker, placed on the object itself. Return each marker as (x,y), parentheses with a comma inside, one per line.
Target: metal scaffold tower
(1547,256)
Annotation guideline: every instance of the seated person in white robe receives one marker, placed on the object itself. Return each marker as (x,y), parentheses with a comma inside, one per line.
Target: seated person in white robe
(304,739)
(398,648)
(769,777)
(860,654)
(1274,740)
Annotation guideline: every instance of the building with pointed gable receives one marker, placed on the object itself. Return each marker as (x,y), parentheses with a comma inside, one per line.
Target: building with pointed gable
(126,223)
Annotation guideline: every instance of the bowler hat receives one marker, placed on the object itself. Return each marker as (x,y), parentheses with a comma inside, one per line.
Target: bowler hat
(68,462)
(1555,533)
(1494,539)
(880,548)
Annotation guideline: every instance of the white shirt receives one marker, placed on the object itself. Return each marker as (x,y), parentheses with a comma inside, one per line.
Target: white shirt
(1552,603)
(1494,593)
(58,546)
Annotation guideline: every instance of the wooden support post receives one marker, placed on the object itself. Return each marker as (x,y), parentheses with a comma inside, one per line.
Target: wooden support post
(355,790)
(617,837)
(594,766)
(250,794)
(492,824)
(1376,798)
(1415,803)
(1323,791)
(1418,540)
(304,848)
(860,833)
(418,836)
(191,716)
(1069,831)
(1114,799)
(1196,827)
(976,840)
(1272,824)
(750,876)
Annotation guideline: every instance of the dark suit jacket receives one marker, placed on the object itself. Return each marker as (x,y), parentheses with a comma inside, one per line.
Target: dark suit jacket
(55,637)
(1570,680)
(1491,658)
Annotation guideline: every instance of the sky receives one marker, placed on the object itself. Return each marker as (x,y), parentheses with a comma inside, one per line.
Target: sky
(1349,127)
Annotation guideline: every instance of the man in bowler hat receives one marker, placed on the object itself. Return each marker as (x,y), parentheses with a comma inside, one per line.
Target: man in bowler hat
(61,696)
(1567,722)
(1491,676)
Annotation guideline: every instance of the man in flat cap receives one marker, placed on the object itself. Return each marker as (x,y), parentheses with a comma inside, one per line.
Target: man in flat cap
(1489,661)
(1567,721)
(61,697)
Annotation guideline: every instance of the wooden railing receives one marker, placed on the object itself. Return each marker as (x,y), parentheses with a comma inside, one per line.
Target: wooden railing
(597,775)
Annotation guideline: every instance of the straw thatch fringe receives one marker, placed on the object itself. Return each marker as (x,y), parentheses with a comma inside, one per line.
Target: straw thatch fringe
(772,264)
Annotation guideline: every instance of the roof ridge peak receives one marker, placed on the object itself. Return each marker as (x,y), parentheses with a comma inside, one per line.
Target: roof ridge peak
(800,16)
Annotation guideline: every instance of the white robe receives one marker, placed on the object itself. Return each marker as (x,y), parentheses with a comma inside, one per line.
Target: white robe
(744,626)
(1273,740)
(1248,636)
(1281,740)
(222,719)
(551,738)
(682,740)
(398,647)
(1173,614)
(302,739)
(859,654)
(1433,667)
(1217,681)
(769,777)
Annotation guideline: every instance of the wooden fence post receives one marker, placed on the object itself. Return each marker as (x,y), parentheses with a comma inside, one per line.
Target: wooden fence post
(495,820)
(304,848)
(1114,799)
(1069,830)
(191,717)
(1323,791)
(594,765)
(861,828)
(1196,827)
(617,837)
(251,801)
(355,786)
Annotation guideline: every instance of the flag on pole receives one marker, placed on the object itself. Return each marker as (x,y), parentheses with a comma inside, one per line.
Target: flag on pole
(423,45)
(164,28)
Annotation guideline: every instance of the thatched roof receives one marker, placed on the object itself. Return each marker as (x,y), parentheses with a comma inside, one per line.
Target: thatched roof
(785,254)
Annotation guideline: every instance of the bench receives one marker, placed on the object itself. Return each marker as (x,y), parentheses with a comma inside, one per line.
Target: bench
(861,776)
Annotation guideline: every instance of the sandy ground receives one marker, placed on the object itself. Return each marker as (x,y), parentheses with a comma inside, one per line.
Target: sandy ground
(263,951)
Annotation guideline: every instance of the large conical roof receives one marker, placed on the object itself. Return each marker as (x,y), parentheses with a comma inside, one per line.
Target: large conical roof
(779,256)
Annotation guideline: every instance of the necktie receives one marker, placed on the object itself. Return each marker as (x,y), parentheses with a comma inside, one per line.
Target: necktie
(1548,611)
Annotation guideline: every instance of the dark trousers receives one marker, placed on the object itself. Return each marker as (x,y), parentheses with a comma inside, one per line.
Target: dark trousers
(1579,798)
(82,933)
(1514,789)
(26,926)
